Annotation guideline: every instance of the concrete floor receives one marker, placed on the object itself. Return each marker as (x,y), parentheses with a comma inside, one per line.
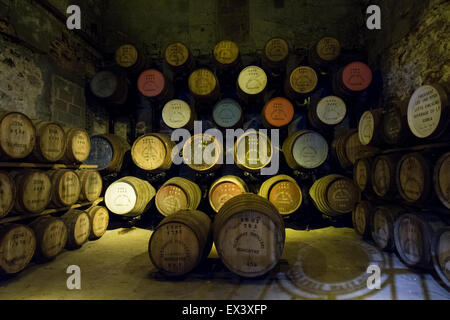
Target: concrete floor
(321,264)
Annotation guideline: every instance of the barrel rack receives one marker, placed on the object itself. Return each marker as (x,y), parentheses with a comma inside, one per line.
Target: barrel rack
(50,166)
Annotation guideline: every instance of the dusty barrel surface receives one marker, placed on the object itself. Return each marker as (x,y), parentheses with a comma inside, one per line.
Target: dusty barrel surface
(362,218)
(17,247)
(249,235)
(78,228)
(228,114)
(414,233)
(181,242)
(129,196)
(78,146)
(107,152)
(17,135)
(382,226)
(283,192)
(66,187)
(441,179)
(177,194)
(440,251)
(362,174)
(99,219)
(178,114)
(382,177)
(8,193)
(153,152)
(335,195)
(91,184)
(34,191)
(414,178)
(51,237)
(428,112)
(225,188)
(305,149)
(50,142)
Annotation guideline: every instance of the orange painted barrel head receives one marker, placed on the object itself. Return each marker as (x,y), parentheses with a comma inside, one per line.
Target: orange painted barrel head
(357,76)
(151,83)
(279,112)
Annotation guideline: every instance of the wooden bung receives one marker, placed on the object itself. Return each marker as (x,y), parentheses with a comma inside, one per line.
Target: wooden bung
(7,192)
(225,188)
(50,142)
(51,237)
(66,187)
(129,196)
(17,135)
(91,185)
(78,228)
(283,192)
(107,152)
(78,146)
(17,247)
(99,219)
(382,226)
(181,242)
(153,152)
(34,191)
(177,194)
(249,235)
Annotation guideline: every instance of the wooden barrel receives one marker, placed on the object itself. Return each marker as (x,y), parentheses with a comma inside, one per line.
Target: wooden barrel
(179,58)
(369,127)
(283,192)
(228,114)
(251,86)
(177,194)
(227,56)
(414,233)
(383,173)
(335,195)
(78,146)
(153,85)
(382,226)
(362,218)
(225,188)
(324,52)
(129,196)
(17,135)
(153,152)
(99,219)
(429,111)
(274,56)
(253,151)
(277,113)
(112,87)
(78,228)
(34,191)
(352,79)
(180,242)
(249,235)
(107,152)
(204,86)
(17,247)
(66,187)
(91,185)
(7,192)
(440,250)
(414,178)
(131,59)
(50,142)
(441,179)
(327,112)
(178,114)
(51,237)
(300,84)
(394,128)
(305,149)
(362,174)
(203,153)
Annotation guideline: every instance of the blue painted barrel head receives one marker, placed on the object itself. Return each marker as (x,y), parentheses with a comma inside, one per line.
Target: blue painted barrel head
(227,113)
(101,153)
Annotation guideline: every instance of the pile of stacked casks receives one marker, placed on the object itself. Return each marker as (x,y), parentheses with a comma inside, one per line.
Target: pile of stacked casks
(406,184)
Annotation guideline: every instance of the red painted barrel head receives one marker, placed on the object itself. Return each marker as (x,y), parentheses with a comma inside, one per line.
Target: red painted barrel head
(279,112)
(151,83)
(357,76)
